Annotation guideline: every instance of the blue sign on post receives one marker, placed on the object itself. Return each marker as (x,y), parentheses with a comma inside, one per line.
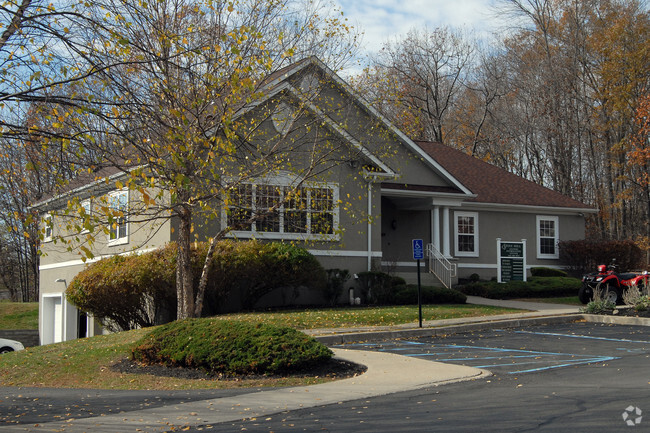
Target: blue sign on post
(418,254)
(418,249)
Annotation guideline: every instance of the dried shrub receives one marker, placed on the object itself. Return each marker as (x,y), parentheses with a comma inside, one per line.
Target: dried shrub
(583,256)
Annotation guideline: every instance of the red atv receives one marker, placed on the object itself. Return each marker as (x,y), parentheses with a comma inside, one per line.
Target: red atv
(612,284)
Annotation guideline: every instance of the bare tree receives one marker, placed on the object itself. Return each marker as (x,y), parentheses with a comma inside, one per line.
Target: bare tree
(422,74)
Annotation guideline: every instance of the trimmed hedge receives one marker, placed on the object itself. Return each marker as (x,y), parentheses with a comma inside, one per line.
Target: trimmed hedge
(255,269)
(230,347)
(535,287)
(547,272)
(135,291)
(408,295)
(127,292)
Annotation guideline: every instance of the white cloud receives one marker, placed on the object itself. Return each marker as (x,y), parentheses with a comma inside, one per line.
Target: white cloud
(381,20)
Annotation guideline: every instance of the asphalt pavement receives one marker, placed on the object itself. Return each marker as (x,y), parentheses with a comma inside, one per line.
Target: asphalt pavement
(387,373)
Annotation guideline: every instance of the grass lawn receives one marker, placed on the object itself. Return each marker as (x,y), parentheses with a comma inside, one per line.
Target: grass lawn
(366,316)
(85,363)
(18,315)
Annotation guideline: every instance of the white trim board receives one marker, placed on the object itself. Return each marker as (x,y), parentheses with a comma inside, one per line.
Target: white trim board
(78,262)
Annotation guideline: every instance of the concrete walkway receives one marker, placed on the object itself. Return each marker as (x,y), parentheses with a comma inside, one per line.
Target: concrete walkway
(387,373)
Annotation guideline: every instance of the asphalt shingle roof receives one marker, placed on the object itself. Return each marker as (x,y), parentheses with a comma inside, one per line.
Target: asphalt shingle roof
(492,184)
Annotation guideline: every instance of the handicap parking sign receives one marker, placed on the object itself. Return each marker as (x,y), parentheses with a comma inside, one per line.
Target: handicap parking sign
(418,249)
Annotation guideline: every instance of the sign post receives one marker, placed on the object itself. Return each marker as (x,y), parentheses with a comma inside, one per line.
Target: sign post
(418,254)
(511,260)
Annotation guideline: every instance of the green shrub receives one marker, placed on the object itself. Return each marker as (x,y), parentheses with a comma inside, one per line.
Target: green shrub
(535,287)
(643,303)
(255,269)
(547,272)
(230,347)
(127,292)
(378,287)
(408,295)
(599,306)
(336,279)
(135,291)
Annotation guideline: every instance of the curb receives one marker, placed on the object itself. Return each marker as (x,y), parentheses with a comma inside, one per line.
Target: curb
(370,336)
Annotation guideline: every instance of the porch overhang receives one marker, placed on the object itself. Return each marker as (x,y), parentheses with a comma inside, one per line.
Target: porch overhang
(423,197)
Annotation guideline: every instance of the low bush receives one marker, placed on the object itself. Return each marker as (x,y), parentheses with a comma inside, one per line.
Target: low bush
(547,272)
(535,287)
(599,307)
(230,347)
(255,269)
(127,292)
(378,287)
(335,284)
(408,295)
(135,291)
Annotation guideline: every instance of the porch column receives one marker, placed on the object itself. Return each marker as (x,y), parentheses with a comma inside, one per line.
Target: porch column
(435,227)
(445,231)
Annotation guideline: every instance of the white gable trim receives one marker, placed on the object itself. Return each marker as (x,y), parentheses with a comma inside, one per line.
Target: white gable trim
(342,132)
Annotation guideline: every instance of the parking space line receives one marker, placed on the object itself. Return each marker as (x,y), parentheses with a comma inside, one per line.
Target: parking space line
(553,334)
(469,355)
(550,367)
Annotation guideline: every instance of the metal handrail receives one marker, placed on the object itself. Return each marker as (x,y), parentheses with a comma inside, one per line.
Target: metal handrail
(440,266)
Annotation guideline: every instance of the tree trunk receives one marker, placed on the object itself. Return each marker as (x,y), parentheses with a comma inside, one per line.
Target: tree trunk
(184,289)
(203,282)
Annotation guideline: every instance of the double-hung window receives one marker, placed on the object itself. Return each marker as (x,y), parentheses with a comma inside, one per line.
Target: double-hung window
(466,231)
(118,223)
(278,211)
(547,237)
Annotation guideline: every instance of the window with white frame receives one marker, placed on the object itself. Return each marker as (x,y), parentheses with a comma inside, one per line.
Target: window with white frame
(47,227)
(466,231)
(281,211)
(118,222)
(547,237)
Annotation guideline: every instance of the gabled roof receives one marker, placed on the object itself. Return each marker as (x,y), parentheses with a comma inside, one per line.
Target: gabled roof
(494,185)
(274,84)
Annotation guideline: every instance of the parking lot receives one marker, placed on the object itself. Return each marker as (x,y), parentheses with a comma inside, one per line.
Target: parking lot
(529,350)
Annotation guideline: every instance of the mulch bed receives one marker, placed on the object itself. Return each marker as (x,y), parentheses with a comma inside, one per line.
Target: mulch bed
(333,368)
(630,312)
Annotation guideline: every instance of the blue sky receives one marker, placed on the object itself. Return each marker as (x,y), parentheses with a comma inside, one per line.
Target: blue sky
(383,19)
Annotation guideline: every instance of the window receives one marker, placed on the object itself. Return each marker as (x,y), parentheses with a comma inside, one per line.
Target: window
(84,215)
(47,227)
(466,234)
(547,237)
(285,212)
(118,230)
